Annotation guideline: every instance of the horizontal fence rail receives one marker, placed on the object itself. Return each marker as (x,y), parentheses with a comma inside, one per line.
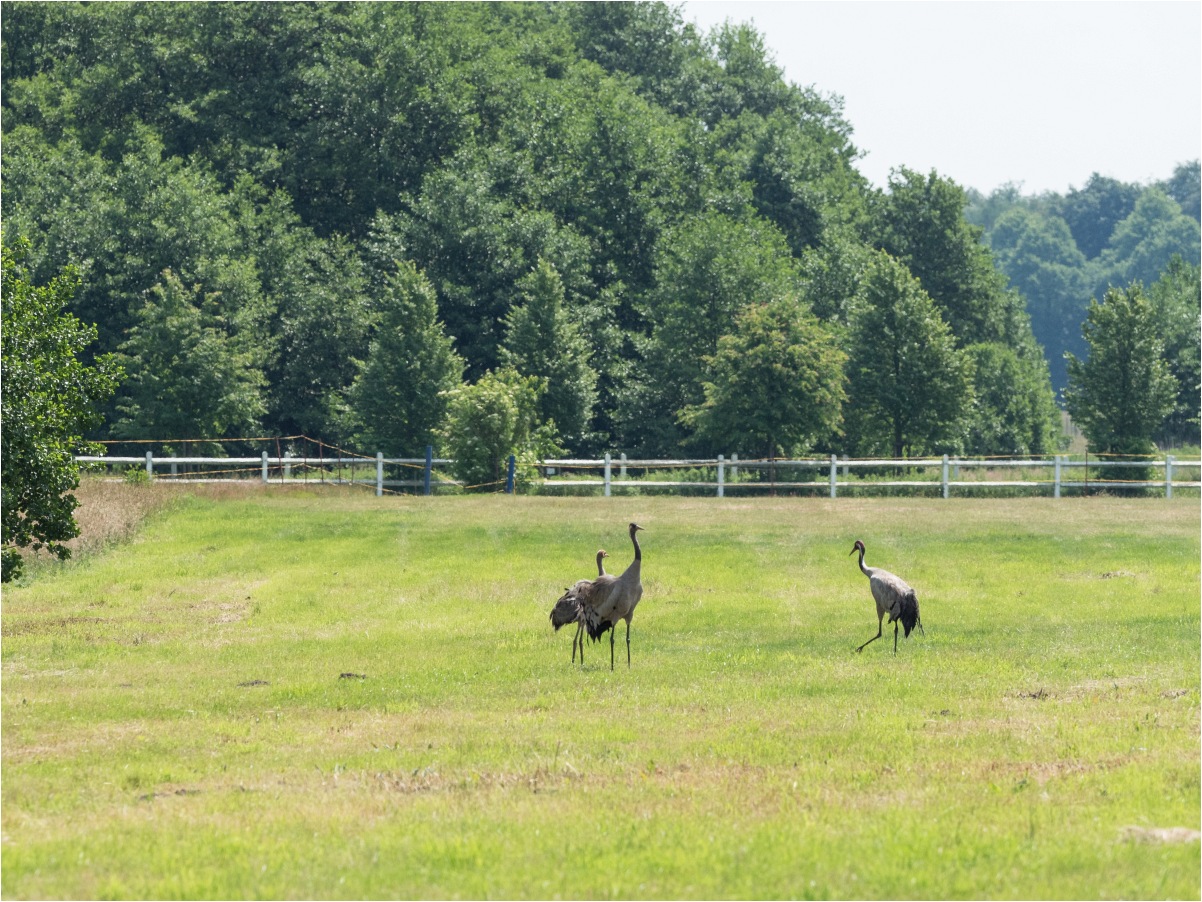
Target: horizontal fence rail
(1050,475)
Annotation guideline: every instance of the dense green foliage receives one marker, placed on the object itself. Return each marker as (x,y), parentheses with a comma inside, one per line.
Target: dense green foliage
(593,193)
(1124,390)
(1060,251)
(50,400)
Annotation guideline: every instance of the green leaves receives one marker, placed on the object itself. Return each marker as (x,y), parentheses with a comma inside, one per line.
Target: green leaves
(492,419)
(909,387)
(50,401)
(188,378)
(1120,395)
(401,395)
(777,384)
(541,339)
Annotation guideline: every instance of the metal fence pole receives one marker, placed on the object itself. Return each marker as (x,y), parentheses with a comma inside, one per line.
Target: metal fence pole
(379,473)
(721,476)
(150,464)
(509,475)
(1168,476)
(265,468)
(1056,490)
(622,466)
(608,471)
(945,485)
(429,468)
(734,467)
(834,475)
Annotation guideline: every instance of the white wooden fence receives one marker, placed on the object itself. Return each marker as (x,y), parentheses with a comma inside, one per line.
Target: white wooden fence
(830,474)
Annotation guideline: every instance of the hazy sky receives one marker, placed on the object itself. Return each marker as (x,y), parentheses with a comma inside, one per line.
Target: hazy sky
(1038,93)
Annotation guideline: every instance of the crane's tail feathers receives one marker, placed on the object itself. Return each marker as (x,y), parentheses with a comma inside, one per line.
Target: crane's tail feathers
(909,611)
(594,624)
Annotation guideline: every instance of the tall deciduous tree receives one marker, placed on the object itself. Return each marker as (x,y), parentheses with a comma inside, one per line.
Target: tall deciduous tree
(1093,212)
(921,223)
(707,271)
(1043,263)
(400,397)
(542,340)
(1013,409)
(909,388)
(777,383)
(1143,243)
(50,401)
(1122,393)
(1176,298)
(188,379)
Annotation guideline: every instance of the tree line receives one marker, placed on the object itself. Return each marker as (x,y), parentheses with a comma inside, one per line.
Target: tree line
(557,228)
(1063,250)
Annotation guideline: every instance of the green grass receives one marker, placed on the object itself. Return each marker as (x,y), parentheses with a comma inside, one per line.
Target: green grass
(175,723)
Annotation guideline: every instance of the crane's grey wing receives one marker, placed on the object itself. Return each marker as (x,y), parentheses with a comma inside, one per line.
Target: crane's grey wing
(889,590)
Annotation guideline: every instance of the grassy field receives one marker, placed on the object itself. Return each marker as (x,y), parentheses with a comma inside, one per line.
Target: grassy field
(320,694)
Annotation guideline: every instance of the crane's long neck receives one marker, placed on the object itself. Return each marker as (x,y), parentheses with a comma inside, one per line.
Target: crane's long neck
(600,563)
(633,571)
(865,570)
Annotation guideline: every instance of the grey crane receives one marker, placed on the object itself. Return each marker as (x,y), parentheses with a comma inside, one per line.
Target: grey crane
(600,603)
(893,597)
(567,609)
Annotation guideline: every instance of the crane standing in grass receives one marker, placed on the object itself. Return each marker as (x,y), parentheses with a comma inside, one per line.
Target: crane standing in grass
(567,608)
(599,604)
(893,597)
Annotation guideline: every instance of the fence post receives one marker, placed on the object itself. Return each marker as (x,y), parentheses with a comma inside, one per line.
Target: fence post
(379,473)
(150,464)
(1056,490)
(287,464)
(734,467)
(174,465)
(429,468)
(1168,476)
(721,476)
(608,471)
(509,475)
(834,474)
(622,466)
(945,486)
(264,468)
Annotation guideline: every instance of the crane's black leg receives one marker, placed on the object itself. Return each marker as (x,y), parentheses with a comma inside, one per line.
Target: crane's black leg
(627,643)
(895,638)
(873,639)
(879,619)
(578,640)
(613,631)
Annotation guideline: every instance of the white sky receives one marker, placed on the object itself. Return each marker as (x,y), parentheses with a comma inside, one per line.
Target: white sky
(1037,93)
